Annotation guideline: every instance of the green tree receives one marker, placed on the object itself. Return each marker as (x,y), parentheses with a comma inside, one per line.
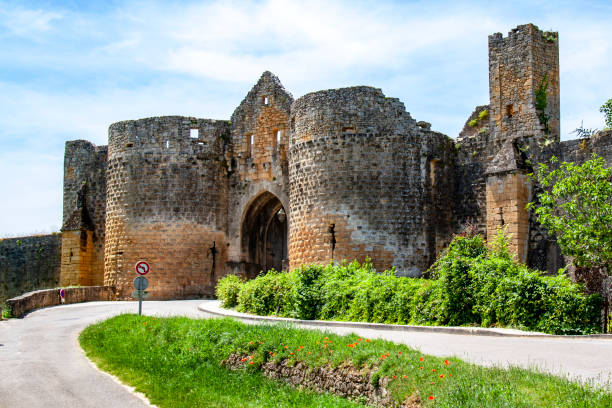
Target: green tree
(576,207)
(606,109)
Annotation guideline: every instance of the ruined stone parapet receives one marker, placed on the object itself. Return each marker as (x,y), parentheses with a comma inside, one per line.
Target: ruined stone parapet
(519,65)
(166,203)
(83,225)
(357,170)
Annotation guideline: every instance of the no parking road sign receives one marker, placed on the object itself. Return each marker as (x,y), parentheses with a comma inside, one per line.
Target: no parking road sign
(142,268)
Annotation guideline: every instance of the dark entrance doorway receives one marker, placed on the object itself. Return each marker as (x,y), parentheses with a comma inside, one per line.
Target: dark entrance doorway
(264,235)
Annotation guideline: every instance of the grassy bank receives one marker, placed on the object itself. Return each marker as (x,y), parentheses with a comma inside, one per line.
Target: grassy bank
(176,362)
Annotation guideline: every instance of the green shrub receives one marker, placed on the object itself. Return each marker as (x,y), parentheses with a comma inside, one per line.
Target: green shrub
(308,294)
(472,284)
(483,114)
(473,123)
(270,293)
(227,290)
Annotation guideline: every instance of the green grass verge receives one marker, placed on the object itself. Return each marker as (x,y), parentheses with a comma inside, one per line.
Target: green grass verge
(176,363)
(6,311)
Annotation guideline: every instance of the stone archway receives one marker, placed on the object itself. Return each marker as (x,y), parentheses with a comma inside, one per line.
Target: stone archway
(264,235)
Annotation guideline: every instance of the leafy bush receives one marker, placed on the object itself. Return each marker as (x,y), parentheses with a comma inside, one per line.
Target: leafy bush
(227,290)
(483,114)
(473,123)
(471,284)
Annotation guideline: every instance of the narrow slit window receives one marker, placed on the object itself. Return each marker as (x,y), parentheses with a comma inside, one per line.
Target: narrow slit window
(194,133)
(510,110)
(278,137)
(265,100)
(251,143)
(167,144)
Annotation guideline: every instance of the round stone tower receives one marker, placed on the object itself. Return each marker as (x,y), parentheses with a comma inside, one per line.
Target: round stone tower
(358,173)
(166,200)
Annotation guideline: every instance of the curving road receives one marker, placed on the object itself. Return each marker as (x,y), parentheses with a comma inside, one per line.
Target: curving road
(41,363)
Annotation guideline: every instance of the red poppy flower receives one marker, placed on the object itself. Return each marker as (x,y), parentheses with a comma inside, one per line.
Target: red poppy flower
(250,362)
(405,376)
(421,368)
(367,340)
(394,377)
(431,397)
(441,375)
(446,362)
(291,353)
(421,359)
(433,370)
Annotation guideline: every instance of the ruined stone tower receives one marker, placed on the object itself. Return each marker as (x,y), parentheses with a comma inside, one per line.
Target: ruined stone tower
(334,175)
(524,115)
(522,66)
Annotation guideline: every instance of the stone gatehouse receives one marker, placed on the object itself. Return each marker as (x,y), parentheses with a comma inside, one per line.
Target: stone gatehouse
(336,174)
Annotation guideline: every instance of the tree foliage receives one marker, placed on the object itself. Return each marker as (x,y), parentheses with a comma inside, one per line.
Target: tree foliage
(576,207)
(606,109)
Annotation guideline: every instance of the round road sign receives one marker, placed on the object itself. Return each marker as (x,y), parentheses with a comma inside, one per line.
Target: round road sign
(141,283)
(62,293)
(142,268)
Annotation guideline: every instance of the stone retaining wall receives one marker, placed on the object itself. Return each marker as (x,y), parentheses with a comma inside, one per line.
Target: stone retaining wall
(27,302)
(345,381)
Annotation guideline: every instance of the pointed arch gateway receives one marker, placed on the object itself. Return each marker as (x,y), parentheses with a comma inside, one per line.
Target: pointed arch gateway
(264,235)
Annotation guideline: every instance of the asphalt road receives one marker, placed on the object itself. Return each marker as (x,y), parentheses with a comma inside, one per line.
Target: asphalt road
(42,365)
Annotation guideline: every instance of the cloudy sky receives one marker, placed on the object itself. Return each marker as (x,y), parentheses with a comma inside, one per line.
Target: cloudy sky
(68,69)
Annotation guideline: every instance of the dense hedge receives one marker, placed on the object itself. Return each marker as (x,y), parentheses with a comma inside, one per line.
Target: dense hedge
(470,284)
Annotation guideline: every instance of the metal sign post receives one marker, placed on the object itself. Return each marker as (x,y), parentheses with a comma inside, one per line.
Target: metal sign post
(140,284)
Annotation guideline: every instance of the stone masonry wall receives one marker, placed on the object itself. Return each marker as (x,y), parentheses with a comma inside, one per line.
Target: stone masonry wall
(518,65)
(84,185)
(29,263)
(357,177)
(261,168)
(507,196)
(166,204)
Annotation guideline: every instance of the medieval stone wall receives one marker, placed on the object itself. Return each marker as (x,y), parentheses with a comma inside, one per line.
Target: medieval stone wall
(29,263)
(473,155)
(358,170)
(84,210)
(167,203)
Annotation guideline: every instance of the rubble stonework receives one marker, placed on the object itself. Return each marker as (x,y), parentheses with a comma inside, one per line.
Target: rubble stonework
(337,174)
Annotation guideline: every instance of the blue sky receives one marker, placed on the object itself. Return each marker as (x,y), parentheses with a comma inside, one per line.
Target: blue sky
(68,69)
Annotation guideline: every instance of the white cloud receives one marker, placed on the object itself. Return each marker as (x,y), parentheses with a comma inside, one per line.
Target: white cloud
(27,23)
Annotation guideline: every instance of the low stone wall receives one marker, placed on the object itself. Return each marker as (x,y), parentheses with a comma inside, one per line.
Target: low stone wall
(29,263)
(21,305)
(345,381)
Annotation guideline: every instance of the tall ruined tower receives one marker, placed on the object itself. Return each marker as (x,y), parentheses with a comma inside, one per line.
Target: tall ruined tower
(524,118)
(524,84)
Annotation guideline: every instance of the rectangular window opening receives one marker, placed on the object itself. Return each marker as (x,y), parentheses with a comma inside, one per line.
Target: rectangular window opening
(278,137)
(265,100)
(194,133)
(167,144)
